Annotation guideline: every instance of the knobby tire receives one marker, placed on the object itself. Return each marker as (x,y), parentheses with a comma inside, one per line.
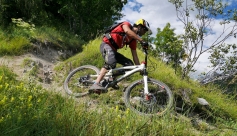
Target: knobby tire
(75,84)
(160,102)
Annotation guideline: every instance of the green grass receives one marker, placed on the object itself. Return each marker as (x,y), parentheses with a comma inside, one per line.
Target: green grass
(220,103)
(27,109)
(14,46)
(58,38)
(222,106)
(16,40)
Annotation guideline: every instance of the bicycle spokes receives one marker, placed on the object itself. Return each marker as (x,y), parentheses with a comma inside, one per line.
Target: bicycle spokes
(79,81)
(155,102)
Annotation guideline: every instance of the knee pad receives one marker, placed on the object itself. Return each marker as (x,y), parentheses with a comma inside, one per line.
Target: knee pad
(129,63)
(109,66)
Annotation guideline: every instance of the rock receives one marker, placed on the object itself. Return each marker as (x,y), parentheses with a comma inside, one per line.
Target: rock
(202,101)
(186,95)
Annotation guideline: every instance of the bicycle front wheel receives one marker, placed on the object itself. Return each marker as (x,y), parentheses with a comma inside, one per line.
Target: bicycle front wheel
(157,102)
(80,79)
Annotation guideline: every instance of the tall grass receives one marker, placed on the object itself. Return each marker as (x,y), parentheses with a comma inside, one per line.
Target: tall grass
(222,107)
(26,109)
(13,44)
(16,40)
(58,38)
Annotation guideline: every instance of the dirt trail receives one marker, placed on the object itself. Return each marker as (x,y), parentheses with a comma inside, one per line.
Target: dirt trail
(44,58)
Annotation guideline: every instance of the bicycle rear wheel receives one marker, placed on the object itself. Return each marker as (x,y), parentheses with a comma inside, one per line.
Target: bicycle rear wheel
(80,79)
(158,102)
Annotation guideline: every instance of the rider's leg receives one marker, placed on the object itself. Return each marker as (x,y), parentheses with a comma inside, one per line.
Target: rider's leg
(123,60)
(96,85)
(110,62)
(103,71)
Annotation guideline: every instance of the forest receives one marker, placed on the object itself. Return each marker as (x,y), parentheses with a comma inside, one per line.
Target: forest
(86,18)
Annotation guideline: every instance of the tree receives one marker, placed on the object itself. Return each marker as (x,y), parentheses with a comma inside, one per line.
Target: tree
(169,46)
(198,17)
(224,67)
(86,18)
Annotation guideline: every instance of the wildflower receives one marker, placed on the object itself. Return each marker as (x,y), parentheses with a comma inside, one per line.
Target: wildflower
(3,100)
(21,98)
(2,119)
(127,111)
(117,108)
(29,98)
(12,99)
(118,118)
(30,105)
(39,100)
(6,85)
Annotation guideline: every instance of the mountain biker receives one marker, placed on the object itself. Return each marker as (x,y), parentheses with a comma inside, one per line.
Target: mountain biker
(123,34)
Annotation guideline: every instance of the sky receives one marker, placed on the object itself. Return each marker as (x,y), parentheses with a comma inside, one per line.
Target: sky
(160,12)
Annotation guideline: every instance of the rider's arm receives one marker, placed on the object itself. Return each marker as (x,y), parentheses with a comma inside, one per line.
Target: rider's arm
(135,58)
(130,33)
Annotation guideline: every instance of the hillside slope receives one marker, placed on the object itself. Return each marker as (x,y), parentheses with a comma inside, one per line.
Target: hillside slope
(220,103)
(220,114)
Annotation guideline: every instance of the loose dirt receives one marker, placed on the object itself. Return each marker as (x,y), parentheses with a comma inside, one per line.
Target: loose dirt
(44,58)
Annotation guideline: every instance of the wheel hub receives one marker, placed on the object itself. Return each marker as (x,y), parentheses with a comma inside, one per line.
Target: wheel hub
(149,100)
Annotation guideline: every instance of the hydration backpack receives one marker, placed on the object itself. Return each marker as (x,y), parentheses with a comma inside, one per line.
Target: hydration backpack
(108,36)
(110,28)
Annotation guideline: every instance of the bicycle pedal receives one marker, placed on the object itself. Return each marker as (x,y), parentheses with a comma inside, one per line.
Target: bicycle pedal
(116,87)
(95,91)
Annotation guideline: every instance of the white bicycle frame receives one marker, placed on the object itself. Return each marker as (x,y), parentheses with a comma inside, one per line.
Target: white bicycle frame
(132,70)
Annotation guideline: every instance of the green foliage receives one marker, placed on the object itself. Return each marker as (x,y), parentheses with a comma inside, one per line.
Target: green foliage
(16,39)
(20,23)
(6,75)
(157,70)
(13,45)
(169,46)
(20,37)
(198,26)
(86,18)
(226,56)
(51,36)
(27,109)
(223,59)
(90,54)
(91,16)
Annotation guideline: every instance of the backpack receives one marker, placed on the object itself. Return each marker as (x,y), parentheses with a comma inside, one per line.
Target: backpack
(108,31)
(110,28)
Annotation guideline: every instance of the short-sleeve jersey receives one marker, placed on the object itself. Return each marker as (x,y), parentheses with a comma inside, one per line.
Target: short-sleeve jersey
(120,40)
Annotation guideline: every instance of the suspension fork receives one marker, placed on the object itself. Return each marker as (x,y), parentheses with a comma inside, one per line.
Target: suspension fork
(145,76)
(145,79)
(147,95)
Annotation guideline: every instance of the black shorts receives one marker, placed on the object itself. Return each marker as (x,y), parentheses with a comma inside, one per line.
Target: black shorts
(112,57)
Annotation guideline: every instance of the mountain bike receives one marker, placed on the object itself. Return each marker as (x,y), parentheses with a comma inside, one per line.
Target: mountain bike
(145,96)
